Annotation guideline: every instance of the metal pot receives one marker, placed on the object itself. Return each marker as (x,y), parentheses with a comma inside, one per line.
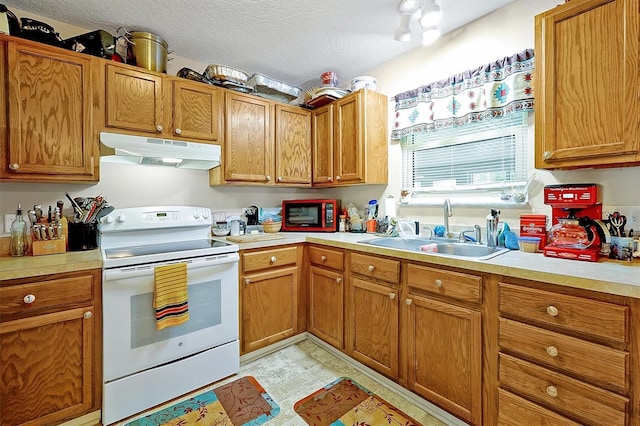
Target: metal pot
(149,51)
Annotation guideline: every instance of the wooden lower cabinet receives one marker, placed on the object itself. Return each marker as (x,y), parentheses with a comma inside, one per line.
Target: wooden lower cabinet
(374,322)
(50,348)
(326,305)
(445,356)
(269,297)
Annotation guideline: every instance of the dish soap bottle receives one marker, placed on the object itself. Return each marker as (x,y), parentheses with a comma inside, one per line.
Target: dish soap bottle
(19,243)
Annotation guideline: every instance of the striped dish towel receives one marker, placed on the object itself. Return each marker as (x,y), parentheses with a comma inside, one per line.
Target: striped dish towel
(170,299)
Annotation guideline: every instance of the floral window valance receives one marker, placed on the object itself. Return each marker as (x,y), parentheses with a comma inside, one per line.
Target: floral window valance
(493,90)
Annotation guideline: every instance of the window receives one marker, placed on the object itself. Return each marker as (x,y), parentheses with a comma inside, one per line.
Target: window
(481,158)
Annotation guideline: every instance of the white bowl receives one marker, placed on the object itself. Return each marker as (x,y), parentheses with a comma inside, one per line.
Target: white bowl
(220,232)
(363,82)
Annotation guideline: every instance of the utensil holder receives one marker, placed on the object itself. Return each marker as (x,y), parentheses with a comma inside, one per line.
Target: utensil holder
(83,236)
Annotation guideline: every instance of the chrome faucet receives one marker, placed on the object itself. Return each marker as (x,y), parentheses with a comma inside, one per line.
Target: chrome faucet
(476,230)
(447,214)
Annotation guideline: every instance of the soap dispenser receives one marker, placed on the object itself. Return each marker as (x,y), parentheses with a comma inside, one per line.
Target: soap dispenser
(19,242)
(492,228)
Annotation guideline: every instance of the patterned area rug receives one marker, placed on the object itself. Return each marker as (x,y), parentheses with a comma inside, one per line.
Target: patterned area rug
(346,403)
(238,403)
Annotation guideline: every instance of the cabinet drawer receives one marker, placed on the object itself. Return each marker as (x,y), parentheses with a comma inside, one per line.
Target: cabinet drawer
(269,258)
(325,257)
(598,364)
(376,267)
(454,285)
(516,411)
(571,397)
(578,314)
(46,294)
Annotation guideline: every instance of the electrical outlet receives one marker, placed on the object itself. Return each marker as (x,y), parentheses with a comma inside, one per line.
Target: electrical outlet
(8,220)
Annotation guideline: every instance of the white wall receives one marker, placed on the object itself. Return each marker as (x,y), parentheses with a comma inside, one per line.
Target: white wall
(502,33)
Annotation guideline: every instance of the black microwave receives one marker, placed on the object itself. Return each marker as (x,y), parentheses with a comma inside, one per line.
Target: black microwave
(310,215)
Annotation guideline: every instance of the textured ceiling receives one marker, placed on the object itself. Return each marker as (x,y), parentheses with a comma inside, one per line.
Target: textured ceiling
(290,40)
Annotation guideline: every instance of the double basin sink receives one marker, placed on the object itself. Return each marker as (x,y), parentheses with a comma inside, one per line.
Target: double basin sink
(440,246)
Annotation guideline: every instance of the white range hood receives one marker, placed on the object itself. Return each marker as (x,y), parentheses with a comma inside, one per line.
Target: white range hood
(126,149)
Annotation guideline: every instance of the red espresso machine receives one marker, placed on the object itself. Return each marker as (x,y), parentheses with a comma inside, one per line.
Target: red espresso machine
(576,218)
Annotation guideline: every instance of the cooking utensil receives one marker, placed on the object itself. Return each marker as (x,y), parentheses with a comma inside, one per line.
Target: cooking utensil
(149,51)
(104,211)
(76,208)
(618,221)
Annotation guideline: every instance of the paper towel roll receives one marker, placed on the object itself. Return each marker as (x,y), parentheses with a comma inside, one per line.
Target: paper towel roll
(390,206)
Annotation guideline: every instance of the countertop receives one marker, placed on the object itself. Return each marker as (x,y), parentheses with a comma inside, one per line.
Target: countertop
(608,276)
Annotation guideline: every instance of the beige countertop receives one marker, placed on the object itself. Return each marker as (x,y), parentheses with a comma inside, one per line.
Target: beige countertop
(608,276)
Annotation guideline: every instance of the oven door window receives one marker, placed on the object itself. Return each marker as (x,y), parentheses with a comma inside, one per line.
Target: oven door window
(307,216)
(205,310)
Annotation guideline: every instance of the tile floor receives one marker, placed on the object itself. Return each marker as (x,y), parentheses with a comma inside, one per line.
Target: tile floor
(295,371)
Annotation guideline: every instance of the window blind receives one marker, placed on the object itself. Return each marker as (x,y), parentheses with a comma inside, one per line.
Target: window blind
(481,156)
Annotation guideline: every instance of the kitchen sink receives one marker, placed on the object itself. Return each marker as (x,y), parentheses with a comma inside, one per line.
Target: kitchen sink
(444,247)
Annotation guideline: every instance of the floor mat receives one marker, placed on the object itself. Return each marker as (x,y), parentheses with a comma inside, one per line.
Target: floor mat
(345,403)
(238,403)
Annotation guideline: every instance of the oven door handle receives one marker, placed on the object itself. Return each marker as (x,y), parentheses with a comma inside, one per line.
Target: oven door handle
(142,270)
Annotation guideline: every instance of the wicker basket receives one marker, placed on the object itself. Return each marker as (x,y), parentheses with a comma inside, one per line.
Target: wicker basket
(271,226)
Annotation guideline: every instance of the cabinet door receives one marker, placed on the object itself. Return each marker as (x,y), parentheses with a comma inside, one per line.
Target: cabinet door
(248,149)
(326,306)
(587,84)
(322,142)
(269,307)
(293,145)
(445,356)
(134,100)
(349,140)
(50,116)
(197,111)
(374,326)
(47,367)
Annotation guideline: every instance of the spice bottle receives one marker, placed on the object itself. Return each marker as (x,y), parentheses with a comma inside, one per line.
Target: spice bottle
(342,227)
(19,243)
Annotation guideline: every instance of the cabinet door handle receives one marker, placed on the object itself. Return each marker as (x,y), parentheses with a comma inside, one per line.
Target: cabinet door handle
(552,391)
(247,281)
(268,178)
(371,268)
(408,301)
(88,314)
(159,127)
(330,179)
(392,296)
(29,298)
(279,178)
(438,283)
(273,259)
(323,258)
(547,155)
(552,310)
(178,132)
(337,177)
(552,351)
(14,166)
(338,280)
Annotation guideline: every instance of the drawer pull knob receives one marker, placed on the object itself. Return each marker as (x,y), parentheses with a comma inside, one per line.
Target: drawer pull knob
(552,391)
(552,351)
(273,259)
(178,131)
(371,268)
(29,298)
(438,283)
(338,280)
(392,296)
(408,301)
(14,166)
(88,314)
(323,258)
(552,310)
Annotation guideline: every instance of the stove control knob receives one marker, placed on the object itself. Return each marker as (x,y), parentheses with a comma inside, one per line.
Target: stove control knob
(196,214)
(205,214)
(121,218)
(108,219)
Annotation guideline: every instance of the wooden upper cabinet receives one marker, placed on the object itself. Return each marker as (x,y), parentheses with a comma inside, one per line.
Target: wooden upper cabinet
(586,82)
(322,128)
(355,151)
(248,153)
(139,101)
(48,100)
(292,145)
